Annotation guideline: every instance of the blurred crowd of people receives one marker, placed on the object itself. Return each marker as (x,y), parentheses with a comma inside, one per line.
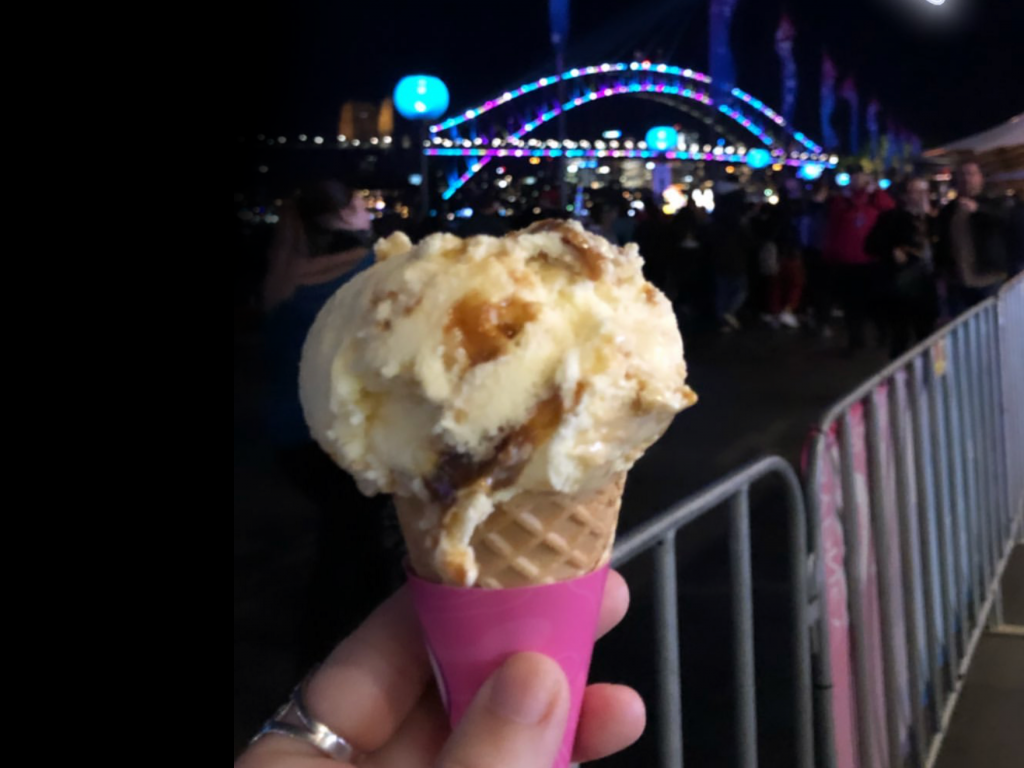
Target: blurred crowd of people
(832,260)
(829,259)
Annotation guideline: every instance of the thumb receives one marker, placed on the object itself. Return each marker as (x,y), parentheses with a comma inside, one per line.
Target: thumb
(517,719)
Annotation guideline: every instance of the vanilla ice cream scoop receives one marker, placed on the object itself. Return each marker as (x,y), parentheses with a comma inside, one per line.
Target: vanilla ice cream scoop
(463,372)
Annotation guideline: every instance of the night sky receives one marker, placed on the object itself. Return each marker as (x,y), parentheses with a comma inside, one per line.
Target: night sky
(942,72)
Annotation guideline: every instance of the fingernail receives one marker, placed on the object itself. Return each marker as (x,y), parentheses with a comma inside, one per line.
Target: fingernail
(524,689)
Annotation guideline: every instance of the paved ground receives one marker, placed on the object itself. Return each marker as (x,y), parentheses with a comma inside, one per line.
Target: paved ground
(986,729)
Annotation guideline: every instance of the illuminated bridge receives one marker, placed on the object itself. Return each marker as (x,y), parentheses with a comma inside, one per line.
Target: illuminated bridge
(501,127)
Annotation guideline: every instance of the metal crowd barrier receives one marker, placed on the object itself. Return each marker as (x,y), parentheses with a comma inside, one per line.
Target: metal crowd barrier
(659,535)
(915,491)
(1011,333)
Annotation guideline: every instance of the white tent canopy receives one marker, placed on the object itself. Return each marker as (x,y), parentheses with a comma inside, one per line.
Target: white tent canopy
(1008,134)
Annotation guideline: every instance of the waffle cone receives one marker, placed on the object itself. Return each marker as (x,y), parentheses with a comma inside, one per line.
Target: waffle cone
(535,538)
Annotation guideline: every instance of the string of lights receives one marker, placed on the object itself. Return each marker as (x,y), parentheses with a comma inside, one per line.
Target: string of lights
(716,156)
(746,123)
(380,142)
(775,117)
(572,74)
(570,144)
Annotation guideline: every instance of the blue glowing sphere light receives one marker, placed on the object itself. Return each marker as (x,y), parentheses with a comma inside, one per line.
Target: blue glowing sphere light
(810,171)
(843,179)
(421,97)
(759,158)
(662,138)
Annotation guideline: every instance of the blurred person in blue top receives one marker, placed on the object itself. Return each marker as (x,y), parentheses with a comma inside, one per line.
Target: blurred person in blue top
(321,242)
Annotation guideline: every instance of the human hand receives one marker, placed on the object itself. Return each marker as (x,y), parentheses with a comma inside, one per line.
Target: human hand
(376,691)
(899,255)
(968,204)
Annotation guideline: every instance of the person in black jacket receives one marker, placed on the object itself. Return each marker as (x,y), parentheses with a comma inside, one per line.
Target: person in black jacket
(902,242)
(973,244)
(729,242)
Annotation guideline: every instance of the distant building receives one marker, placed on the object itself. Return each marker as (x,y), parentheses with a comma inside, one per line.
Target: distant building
(364,120)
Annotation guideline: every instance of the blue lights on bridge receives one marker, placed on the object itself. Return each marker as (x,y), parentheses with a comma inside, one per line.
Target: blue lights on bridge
(612,79)
(810,171)
(662,137)
(759,158)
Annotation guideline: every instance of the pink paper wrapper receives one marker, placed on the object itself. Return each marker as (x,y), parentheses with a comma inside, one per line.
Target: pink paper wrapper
(470,632)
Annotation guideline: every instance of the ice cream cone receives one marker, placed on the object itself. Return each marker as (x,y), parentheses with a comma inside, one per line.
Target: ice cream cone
(534,538)
(542,560)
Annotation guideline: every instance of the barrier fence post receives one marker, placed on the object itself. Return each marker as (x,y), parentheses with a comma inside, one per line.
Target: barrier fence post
(822,659)
(854,555)
(975,549)
(937,415)
(743,627)
(994,513)
(1011,305)
(798,578)
(925,515)
(667,639)
(982,458)
(1002,415)
(878,508)
(967,603)
(911,575)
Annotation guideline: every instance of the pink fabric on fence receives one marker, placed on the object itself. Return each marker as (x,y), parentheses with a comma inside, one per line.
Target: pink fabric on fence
(833,547)
(893,535)
(838,571)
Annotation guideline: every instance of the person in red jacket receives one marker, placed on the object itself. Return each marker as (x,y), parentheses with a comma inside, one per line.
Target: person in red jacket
(856,273)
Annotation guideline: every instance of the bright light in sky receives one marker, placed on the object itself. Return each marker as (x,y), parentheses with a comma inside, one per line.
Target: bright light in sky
(936,2)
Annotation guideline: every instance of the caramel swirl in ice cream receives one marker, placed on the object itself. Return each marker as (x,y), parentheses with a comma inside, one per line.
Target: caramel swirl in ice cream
(484,328)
